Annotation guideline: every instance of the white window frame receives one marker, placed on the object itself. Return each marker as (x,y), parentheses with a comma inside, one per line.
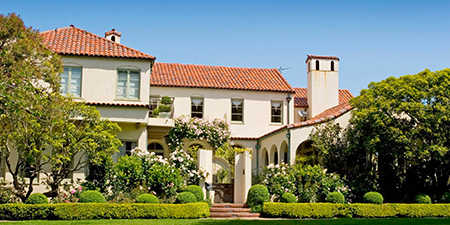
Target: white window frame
(69,79)
(127,89)
(233,106)
(202,105)
(273,116)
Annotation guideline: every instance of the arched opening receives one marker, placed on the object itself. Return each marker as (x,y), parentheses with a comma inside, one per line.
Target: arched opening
(274,154)
(113,39)
(332,65)
(284,152)
(156,148)
(306,154)
(264,158)
(317,65)
(275,158)
(266,161)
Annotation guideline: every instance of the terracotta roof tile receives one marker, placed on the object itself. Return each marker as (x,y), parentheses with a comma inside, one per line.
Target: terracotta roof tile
(75,41)
(300,96)
(218,77)
(321,57)
(126,104)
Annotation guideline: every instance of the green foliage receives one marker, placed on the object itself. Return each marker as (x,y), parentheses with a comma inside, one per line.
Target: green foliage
(445,197)
(288,198)
(7,194)
(373,198)
(279,179)
(329,210)
(185,197)
(92,197)
(257,196)
(164,108)
(335,197)
(196,190)
(147,198)
(229,152)
(155,112)
(215,132)
(37,198)
(422,199)
(166,100)
(102,211)
(398,139)
(129,173)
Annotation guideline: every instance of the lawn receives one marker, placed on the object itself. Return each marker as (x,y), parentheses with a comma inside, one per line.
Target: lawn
(341,221)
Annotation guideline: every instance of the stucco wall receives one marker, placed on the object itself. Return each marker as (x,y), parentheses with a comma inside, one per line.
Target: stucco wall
(217,104)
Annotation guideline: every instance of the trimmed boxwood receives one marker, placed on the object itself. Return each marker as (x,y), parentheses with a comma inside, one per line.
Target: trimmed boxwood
(92,197)
(257,195)
(288,198)
(335,197)
(185,197)
(197,191)
(147,198)
(422,199)
(36,198)
(329,210)
(373,198)
(85,211)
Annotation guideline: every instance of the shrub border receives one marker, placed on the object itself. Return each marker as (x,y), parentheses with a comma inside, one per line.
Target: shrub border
(330,210)
(82,211)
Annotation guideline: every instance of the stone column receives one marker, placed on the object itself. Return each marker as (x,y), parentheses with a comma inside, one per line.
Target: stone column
(242,176)
(205,162)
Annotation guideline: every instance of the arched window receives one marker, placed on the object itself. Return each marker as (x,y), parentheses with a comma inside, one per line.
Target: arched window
(156,148)
(317,65)
(332,65)
(113,39)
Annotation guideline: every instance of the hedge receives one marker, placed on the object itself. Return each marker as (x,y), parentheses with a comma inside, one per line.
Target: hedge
(83,211)
(329,210)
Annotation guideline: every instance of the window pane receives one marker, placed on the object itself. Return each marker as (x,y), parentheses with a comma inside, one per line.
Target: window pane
(121,91)
(237,110)
(276,112)
(197,107)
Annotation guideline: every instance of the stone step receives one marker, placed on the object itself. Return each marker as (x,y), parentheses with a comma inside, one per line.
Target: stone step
(229,205)
(233,215)
(229,209)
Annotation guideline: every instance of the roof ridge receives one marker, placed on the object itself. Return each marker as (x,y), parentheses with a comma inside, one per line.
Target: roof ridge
(231,67)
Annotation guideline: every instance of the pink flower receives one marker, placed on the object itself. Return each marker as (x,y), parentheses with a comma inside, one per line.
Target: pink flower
(79,188)
(171,184)
(72,191)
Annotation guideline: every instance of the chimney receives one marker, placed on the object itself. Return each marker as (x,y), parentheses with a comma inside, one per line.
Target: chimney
(323,83)
(113,36)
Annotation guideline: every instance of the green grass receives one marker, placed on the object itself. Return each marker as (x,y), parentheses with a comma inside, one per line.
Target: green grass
(341,221)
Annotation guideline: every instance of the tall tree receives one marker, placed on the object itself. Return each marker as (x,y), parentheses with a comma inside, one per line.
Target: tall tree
(40,128)
(402,125)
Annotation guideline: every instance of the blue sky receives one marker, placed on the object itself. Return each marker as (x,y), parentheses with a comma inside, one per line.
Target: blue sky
(373,39)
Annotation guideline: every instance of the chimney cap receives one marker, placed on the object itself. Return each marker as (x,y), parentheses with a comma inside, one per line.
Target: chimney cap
(113,31)
(321,57)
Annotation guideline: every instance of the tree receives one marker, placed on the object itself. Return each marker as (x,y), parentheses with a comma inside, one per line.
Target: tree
(39,127)
(402,126)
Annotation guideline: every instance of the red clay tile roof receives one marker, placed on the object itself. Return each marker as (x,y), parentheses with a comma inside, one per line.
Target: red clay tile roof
(326,115)
(75,41)
(127,104)
(218,77)
(321,57)
(300,97)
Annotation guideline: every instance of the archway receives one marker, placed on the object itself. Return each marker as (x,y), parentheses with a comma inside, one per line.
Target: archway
(307,154)
(264,158)
(284,152)
(274,154)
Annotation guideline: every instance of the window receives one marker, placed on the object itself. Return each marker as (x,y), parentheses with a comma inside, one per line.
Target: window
(71,81)
(332,65)
(128,82)
(276,111)
(317,65)
(154,99)
(156,148)
(125,149)
(197,107)
(237,110)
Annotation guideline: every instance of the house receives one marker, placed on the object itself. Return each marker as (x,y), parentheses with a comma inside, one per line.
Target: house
(265,113)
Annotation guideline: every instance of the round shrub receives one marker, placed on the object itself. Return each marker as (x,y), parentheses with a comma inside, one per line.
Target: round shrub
(335,197)
(147,198)
(373,198)
(257,195)
(446,197)
(288,198)
(422,199)
(185,197)
(92,196)
(196,190)
(36,198)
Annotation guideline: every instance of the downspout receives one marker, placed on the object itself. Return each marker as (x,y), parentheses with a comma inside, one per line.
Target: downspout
(257,146)
(288,134)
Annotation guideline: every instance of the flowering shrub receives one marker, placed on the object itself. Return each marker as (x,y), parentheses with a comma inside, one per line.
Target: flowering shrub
(215,132)
(68,194)
(279,179)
